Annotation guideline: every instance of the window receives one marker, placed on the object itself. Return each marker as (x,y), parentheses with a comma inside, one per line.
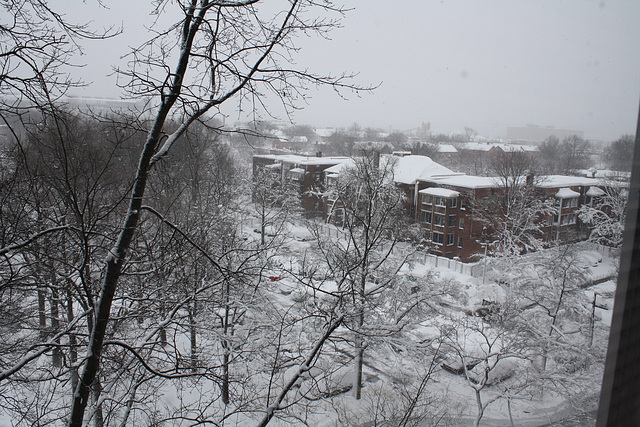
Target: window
(338,216)
(437,238)
(459,242)
(450,239)
(426,198)
(569,203)
(454,203)
(568,219)
(439,201)
(425,217)
(452,220)
(463,204)
(296,174)
(438,220)
(461,224)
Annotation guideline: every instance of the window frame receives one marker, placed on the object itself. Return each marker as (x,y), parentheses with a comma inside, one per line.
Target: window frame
(440,238)
(423,216)
(451,239)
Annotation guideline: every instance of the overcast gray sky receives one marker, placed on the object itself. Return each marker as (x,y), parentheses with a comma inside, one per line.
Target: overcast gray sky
(482,64)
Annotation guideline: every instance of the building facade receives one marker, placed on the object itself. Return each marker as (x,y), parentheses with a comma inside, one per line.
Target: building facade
(305,173)
(449,211)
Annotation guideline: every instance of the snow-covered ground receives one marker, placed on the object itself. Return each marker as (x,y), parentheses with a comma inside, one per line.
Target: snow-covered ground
(390,362)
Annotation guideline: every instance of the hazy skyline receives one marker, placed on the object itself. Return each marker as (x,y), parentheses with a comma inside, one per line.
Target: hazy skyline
(486,65)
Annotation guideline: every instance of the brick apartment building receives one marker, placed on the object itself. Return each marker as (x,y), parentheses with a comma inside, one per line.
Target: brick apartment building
(445,209)
(438,199)
(307,173)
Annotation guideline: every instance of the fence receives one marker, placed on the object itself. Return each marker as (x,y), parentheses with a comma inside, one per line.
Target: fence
(330,230)
(428,259)
(607,251)
(451,264)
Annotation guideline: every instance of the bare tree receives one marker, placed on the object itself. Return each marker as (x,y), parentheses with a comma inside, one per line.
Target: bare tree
(426,149)
(275,200)
(564,157)
(369,205)
(71,204)
(574,154)
(36,46)
(619,154)
(224,52)
(605,213)
(550,150)
(491,353)
(550,288)
(513,216)
(229,50)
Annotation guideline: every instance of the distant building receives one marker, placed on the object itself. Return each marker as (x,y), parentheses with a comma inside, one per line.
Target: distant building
(103,106)
(448,155)
(539,134)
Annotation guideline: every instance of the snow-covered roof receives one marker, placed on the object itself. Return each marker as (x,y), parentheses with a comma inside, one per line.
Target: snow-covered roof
(441,192)
(325,132)
(595,192)
(337,169)
(606,174)
(551,181)
(297,170)
(303,160)
(466,181)
(280,135)
(274,166)
(509,148)
(447,148)
(477,146)
(567,193)
(518,147)
(410,169)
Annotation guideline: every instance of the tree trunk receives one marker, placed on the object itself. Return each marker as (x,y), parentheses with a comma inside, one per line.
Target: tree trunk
(263,227)
(42,313)
(357,378)
(225,344)
(359,341)
(225,374)
(270,412)
(480,413)
(193,337)
(162,335)
(73,353)
(56,356)
(114,263)
(98,418)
